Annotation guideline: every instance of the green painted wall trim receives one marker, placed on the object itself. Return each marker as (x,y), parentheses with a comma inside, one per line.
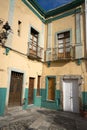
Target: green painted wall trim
(64,8)
(3,92)
(47,84)
(84,98)
(55,105)
(25,102)
(7,50)
(37,99)
(41,101)
(63,15)
(84,101)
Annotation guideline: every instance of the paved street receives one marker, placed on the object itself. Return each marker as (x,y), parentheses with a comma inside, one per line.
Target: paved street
(41,119)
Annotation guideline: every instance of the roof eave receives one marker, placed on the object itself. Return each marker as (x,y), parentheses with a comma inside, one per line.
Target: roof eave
(64,8)
(37,7)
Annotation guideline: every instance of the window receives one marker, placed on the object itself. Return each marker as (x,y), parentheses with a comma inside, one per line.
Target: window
(35,50)
(33,41)
(63,44)
(38,85)
(19,27)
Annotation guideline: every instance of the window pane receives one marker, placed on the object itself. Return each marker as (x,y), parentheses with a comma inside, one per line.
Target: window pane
(60,41)
(67,49)
(67,40)
(60,36)
(35,39)
(60,50)
(64,42)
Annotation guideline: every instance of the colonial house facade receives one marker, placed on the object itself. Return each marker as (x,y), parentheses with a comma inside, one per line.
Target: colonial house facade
(43,59)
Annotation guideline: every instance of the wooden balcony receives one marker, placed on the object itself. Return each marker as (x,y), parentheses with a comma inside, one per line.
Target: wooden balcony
(54,54)
(35,51)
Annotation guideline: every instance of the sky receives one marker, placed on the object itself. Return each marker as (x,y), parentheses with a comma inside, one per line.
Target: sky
(51,4)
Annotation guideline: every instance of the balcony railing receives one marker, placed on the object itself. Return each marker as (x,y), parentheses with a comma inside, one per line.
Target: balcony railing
(53,54)
(35,51)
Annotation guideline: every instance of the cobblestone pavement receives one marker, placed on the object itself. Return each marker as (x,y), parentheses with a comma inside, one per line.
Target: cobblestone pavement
(42,119)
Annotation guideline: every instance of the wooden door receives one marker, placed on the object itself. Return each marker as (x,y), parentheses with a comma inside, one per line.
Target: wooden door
(31,90)
(51,88)
(15,91)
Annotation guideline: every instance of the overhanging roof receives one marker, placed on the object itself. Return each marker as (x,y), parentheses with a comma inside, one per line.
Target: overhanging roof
(54,12)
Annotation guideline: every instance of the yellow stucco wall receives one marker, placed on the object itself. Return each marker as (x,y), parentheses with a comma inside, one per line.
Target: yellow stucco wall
(16,61)
(28,18)
(33,68)
(61,67)
(4,8)
(63,24)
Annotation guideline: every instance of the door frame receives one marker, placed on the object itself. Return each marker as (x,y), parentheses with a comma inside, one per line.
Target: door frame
(47,86)
(8,84)
(70,77)
(29,88)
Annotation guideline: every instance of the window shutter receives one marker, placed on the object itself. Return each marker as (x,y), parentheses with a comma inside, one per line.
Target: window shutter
(41,40)
(56,47)
(56,41)
(78,47)
(39,44)
(29,41)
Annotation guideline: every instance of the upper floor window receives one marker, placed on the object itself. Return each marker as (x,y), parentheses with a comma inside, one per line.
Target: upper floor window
(33,41)
(35,51)
(34,36)
(63,44)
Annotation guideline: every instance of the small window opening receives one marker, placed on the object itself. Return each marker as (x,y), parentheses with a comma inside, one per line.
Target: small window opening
(19,27)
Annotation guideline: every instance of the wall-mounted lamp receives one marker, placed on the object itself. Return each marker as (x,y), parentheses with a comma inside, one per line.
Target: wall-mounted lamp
(4,32)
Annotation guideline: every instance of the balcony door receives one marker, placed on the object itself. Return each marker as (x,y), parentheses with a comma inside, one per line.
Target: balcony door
(33,45)
(63,44)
